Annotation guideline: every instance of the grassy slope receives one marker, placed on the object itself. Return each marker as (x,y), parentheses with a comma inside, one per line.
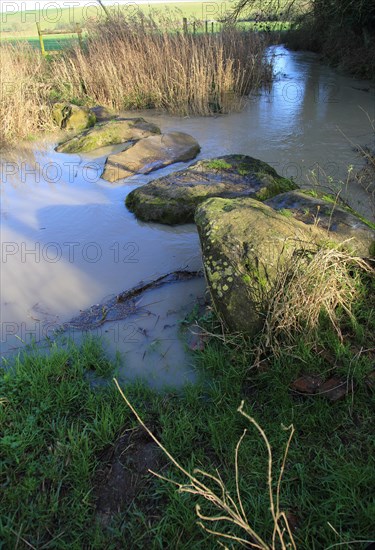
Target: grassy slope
(55,426)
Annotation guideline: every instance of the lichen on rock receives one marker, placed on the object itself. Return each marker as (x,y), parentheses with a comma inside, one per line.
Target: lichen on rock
(247,245)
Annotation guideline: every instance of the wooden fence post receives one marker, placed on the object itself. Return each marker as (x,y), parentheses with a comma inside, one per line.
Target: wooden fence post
(212,27)
(41,41)
(79,32)
(185,25)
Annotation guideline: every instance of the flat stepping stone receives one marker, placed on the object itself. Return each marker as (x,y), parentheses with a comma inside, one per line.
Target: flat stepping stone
(173,199)
(151,154)
(342,224)
(109,133)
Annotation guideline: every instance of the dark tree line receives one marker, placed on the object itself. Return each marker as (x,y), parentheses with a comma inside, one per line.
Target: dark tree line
(342,30)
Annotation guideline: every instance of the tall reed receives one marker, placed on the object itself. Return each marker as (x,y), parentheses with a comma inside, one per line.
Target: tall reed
(25,89)
(138,63)
(131,64)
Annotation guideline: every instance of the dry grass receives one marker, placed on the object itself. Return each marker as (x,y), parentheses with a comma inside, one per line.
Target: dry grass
(24,108)
(142,64)
(232,513)
(136,64)
(365,178)
(327,282)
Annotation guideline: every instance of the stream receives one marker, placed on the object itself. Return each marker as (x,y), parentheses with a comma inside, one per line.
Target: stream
(68,241)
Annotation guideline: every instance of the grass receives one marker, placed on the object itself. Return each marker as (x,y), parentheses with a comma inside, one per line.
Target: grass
(24,101)
(327,281)
(57,427)
(218,164)
(53,42)
(52,426)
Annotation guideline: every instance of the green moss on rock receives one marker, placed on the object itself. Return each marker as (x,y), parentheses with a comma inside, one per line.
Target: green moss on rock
(180,193)
(72,117)
(109,133)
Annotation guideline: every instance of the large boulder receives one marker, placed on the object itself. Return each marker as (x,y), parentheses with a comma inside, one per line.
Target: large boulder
(150,154)
(341,223)
(244,244)
(173,199)
(109,133)
(247,243)
(72,117)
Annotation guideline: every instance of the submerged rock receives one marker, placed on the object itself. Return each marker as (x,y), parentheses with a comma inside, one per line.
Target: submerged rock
(341,224)
(173,199)
(109,133)
(103,113)
(150,154)
(72,117)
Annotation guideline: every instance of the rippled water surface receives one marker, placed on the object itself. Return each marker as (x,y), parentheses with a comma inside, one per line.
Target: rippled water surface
(68,241)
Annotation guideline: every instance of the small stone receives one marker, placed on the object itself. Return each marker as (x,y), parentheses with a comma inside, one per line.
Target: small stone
(72,117)
(114,132)
(308,384)
(197,342)
(334,389)
(293,521)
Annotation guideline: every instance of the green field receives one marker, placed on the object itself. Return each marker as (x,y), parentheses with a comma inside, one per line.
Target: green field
(15,28)
(23,25)
(52,42)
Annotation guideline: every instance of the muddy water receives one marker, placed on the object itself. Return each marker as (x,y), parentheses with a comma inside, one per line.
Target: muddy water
(68,241)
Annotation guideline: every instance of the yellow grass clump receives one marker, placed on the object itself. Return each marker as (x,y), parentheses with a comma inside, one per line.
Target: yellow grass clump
(24,109)
(327,282)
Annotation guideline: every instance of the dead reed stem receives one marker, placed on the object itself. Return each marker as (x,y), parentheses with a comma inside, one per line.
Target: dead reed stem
(232,512)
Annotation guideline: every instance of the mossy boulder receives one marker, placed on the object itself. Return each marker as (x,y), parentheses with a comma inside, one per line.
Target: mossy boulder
(72,117)
(109,133)
(341,223)
(150,154)
(173,199)
(245,243)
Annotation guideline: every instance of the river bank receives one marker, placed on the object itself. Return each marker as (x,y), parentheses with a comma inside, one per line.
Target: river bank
(76,456)
(76,461)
